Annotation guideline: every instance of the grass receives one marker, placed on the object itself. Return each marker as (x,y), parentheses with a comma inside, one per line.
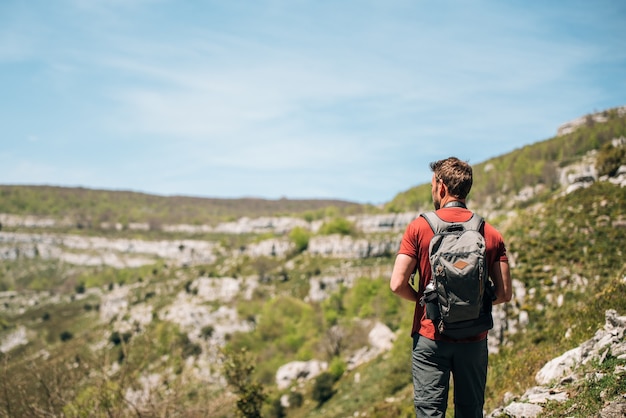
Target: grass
(571,248)
(87,209)
(535,164)
(557,243)
(586,398)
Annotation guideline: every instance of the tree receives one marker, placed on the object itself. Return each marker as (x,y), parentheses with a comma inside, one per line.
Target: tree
(238,369)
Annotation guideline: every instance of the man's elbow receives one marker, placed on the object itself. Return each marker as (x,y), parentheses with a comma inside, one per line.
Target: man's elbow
(502,297)
(394,286)
(505,298)
(508,293)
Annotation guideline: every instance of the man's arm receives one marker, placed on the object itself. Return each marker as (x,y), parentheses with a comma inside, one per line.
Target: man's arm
(399,283)
(501,277)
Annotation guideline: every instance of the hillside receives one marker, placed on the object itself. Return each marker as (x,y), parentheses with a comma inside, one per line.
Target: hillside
(113,306)
(96,209)
(534,172)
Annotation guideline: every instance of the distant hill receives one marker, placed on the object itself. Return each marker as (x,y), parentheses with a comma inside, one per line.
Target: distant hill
(89,207)
(147,322)
(498,183)
(499,180)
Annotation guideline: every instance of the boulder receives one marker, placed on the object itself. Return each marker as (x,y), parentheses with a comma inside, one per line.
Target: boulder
(290,372)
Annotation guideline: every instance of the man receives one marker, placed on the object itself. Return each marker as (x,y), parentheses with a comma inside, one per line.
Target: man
(435,356)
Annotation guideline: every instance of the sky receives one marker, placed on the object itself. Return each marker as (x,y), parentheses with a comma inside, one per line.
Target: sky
(291,99)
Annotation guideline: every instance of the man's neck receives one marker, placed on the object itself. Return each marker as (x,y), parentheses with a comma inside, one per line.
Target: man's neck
(453,203)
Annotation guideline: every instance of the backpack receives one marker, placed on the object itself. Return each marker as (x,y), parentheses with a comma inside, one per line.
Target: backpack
(459,297)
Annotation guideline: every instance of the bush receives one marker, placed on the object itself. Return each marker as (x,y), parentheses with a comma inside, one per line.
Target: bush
(66,336)
(288,323)
(610,159)
(116,338)
(300,237)
(371,298)
(338,226)
(295,399)
(189,348)
(238,368)
(275,409)
(80,288)
(337,367)
(188,286)
(323,387)
(207,331)
(333,307)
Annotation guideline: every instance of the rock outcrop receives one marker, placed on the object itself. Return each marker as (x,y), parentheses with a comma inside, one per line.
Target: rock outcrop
(599,117)
(560,373)
(380,340)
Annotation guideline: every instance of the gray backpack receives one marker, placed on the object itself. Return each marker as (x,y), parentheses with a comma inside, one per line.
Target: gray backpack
(459,297)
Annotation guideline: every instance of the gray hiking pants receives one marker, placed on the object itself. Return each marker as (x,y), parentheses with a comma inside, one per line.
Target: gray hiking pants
(433,362)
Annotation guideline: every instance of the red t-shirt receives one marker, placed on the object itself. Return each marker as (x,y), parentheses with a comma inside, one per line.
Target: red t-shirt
(415,244)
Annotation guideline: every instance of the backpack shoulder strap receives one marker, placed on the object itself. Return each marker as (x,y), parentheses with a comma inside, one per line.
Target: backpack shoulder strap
(439,225)
(436,223)
(474,223)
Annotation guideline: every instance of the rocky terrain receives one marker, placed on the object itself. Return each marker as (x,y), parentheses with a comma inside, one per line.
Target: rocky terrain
(560,374)
(190,312)
(382,233)
(204,305)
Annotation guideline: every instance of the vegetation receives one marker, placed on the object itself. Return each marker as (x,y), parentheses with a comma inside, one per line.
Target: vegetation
(610,159)
(238,370)
(569,248)
(323,387)
(91,209)
(591,395)
(82,360)
(503,177)
(339,226)
(300,237)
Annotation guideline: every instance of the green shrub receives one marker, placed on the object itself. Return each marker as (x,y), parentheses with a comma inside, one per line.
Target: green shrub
(610,159)
(339,226)
(371,298)
(275,409)
(207,331)
(295,399)
(66,336)
(337,367)
(116,338)
(323,388)
(238,367)
(189,348)
(333,307)
(300,237)
(287,323)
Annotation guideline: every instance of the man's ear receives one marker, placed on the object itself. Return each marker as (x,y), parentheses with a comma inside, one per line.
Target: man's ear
(443,190)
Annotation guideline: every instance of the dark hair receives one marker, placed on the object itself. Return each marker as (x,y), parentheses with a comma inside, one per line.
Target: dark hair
(455,174)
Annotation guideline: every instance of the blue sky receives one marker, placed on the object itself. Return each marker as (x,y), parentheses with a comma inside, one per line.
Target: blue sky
(296,99)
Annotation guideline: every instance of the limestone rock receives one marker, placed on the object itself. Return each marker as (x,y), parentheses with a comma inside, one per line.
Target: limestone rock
(14,339)
(523,410)
(562,371)
(616,409)
(290,372)
(612,334)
